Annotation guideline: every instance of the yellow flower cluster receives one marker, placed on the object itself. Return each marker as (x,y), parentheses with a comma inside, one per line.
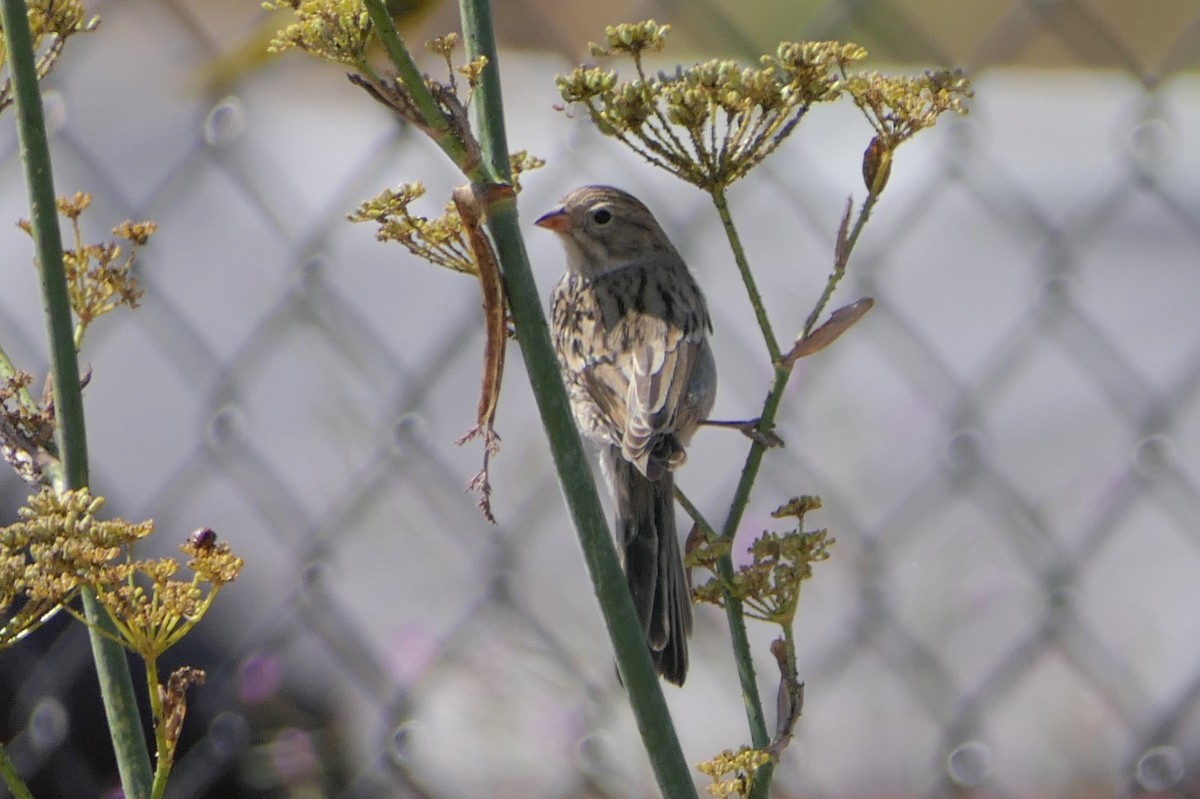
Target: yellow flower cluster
(52,22)
(57,547)
(99,276)
(442,240)
(898,107)
(150,608)
(732,773)
(711,123)
(338,30)
(55,18)
(769,586)
(60,547)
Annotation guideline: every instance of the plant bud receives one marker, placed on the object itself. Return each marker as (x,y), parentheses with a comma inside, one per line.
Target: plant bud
(877,165)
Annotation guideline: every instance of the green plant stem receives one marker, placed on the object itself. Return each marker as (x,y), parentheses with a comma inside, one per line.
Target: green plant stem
(47,239)
(743,656)
(12,778)
(739,255)
(583,502)
(750,469)
(762,781)
(112,668)
(120,702)
(408,74)
(166,755)
(488,100)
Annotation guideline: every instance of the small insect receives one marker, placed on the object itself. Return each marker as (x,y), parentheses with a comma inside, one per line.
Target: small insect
(204,538)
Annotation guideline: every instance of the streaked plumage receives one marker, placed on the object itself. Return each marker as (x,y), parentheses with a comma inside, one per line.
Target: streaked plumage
(630,326)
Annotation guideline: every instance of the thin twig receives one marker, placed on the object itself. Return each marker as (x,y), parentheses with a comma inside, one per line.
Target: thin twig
(743,657)
(743,265)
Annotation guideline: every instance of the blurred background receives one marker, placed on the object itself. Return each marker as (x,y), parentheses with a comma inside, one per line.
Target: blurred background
(1008,445)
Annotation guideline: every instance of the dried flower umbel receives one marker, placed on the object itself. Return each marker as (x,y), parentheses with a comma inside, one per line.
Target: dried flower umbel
(59,547)
(338,30)
(712,122)
(455,240)
(100,277)
(769,585)
(899,107)
(26,426)
(152,608)
(52,22)
(442,240)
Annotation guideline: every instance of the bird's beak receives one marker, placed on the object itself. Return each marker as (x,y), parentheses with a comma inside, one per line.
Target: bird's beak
(555,219)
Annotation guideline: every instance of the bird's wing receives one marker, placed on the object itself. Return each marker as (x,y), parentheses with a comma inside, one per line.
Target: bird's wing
(632,343)
(659,368)
(606,385)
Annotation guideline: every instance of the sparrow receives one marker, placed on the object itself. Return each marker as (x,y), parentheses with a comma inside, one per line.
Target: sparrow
(631,327)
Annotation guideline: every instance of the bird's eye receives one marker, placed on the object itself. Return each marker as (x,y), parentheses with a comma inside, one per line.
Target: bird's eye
(602,216)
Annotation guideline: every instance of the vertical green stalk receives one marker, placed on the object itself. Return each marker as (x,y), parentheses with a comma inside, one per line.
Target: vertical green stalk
(608,581)
(166,756)
(112,668)
(120,702)
(47,240)
(633,658)
(488,103)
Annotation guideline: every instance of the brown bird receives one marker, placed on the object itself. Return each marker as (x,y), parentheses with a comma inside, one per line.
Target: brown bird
(630,326)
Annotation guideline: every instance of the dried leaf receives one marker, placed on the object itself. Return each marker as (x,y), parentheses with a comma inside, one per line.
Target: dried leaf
(789,700)
(838,323)
(491,285)
(174,698)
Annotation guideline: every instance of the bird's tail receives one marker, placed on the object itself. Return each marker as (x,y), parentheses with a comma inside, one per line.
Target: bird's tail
(654,569)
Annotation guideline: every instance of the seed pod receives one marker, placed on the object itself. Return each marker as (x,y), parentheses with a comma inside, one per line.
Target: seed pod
(877,165)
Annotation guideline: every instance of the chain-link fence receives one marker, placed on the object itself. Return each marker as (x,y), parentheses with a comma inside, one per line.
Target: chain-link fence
(1006,445)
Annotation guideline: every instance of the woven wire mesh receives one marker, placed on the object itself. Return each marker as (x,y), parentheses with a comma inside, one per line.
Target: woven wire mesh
(1006,445)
